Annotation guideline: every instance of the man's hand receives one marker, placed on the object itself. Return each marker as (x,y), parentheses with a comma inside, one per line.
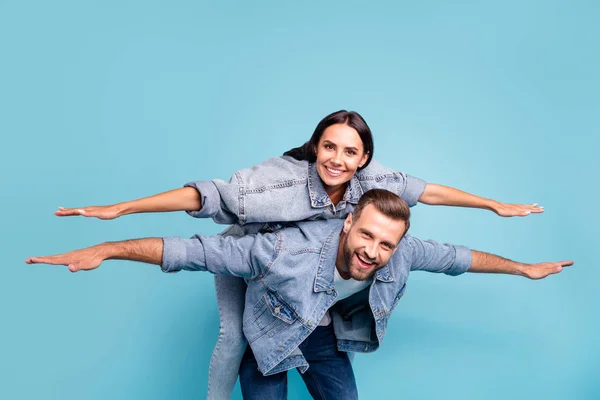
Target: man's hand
(542,270)
(84,259)
(101,212)
(516,210)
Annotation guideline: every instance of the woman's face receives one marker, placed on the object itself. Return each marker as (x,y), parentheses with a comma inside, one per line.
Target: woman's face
(340,153)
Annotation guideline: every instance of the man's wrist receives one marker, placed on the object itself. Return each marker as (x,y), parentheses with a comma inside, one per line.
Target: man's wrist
(108,250)
(520,269)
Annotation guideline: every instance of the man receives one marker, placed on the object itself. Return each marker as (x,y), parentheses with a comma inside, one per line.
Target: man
(295,276)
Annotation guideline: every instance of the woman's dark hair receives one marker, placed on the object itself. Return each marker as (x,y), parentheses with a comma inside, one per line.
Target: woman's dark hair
(350,118)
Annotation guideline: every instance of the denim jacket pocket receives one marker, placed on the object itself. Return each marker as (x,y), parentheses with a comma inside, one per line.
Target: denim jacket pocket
(279,308)
(270,315)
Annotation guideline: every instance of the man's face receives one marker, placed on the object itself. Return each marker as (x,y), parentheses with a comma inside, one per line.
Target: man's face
(369,243)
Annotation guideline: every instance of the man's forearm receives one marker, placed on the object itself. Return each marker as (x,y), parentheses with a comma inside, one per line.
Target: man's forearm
(149,250)
(492,264)
(143,250)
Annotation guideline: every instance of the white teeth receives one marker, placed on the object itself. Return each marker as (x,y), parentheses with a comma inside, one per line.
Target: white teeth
(363,260)
(334,171)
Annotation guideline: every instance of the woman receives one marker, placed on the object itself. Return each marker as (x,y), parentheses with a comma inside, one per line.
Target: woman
(324,178)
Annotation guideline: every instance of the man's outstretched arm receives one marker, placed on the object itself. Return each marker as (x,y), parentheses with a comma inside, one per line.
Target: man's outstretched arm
(492,264)
(245,256)
(432,256)
(148,250)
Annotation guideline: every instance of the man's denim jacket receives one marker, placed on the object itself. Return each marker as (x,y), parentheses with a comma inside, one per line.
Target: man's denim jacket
(290,276)
(285,189)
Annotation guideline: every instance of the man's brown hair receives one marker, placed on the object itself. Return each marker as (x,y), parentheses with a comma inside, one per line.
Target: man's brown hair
(389,204)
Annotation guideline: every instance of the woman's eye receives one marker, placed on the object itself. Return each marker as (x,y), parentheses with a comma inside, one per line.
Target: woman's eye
(351,152)
(328,146)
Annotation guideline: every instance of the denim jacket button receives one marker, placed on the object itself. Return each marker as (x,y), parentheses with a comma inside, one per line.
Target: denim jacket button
(277,309)
(309,323)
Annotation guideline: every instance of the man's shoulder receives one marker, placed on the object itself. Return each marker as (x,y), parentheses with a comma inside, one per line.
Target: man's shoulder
(310,233)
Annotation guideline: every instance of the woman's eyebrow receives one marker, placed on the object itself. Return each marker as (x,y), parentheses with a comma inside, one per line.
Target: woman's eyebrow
(327,141)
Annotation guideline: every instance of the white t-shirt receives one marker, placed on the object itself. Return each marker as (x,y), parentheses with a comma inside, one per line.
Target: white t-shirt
(345,288)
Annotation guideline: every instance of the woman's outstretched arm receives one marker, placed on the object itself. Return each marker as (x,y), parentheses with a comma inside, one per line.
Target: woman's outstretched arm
(183,199)
(444,195)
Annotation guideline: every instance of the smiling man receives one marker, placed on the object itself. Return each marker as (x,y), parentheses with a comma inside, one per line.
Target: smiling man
(316,290)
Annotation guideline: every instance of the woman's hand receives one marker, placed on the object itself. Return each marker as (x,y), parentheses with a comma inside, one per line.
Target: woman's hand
(100,212)
(516,210)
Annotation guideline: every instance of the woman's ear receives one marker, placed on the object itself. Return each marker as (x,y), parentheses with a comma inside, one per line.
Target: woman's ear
(363,160)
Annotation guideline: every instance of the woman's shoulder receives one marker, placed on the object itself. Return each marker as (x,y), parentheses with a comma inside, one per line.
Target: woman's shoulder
(375,169)
(275,169)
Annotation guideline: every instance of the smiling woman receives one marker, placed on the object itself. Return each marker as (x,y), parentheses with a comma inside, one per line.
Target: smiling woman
(324,178)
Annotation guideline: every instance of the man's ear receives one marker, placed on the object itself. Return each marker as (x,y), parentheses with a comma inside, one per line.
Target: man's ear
(348,223)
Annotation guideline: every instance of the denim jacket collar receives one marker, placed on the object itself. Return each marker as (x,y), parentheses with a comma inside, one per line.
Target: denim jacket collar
(327,261)
(318,195)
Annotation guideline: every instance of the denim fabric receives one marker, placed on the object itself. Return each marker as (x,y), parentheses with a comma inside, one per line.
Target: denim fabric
(231,343)
(285,189)
(279,189)
(290,277)
(329,377)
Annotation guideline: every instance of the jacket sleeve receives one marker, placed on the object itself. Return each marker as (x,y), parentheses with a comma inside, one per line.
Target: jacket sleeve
(251,195)
(245,257)
(376,176)
(431,256)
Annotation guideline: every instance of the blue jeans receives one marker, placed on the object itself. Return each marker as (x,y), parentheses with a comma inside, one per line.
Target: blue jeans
(231,344)
(328,377)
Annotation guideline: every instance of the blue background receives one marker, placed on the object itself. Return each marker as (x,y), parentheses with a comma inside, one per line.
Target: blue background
(104,101)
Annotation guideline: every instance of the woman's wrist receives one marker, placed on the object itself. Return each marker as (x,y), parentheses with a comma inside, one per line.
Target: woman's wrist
(121,209)
(491,205)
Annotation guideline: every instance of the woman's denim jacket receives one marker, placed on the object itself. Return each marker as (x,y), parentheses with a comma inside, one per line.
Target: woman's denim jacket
(290,276)
(285,189)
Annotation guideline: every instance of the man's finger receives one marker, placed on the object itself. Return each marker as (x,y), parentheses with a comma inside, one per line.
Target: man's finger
(52,260)
(567,263)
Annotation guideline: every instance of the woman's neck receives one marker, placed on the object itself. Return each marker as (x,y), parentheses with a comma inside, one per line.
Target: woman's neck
(336,193)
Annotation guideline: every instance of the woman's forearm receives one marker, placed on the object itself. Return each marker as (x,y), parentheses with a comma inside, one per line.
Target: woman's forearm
(182,199)
(444,195)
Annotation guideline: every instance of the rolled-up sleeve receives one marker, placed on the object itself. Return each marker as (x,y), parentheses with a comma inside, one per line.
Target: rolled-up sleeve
(214,205)
(183,254)
(246,257)
(444,258)
(413,190)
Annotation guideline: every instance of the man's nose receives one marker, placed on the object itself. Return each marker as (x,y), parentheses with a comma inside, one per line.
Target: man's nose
(371,251)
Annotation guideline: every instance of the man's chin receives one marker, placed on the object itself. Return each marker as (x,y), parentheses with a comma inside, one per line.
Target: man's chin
(361,274)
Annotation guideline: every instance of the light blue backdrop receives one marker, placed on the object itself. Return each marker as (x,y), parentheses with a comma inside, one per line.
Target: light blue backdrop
(103,101)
